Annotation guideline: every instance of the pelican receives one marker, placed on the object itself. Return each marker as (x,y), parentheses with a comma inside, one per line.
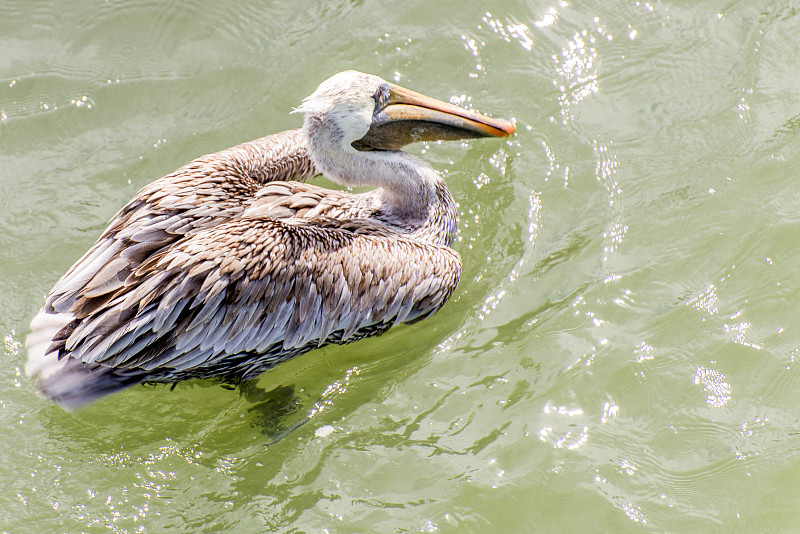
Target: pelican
(233,264)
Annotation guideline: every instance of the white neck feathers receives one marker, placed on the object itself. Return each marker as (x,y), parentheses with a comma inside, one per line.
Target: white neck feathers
(407,184)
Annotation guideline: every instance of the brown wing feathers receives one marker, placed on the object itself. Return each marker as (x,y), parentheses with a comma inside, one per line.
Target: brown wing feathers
(253,283)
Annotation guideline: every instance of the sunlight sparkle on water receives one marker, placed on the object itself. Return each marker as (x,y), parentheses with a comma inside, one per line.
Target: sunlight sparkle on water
(634,513)
(333,391)
(535,202)
(643,352)
(12,346)
(567,438)
(718,390)
(739,330)
(706,301)
(576,69)
(511,31)
(610,411)
(491,303)
(549,18)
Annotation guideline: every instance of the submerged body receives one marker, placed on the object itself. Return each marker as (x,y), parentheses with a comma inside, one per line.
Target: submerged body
(231,264)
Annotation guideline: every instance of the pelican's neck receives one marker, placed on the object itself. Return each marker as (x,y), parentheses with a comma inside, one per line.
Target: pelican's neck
(409,190)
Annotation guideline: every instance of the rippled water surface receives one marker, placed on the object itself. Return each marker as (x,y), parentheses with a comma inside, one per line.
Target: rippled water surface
(620,356)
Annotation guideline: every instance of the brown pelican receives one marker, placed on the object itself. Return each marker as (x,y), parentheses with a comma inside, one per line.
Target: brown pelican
(232,264)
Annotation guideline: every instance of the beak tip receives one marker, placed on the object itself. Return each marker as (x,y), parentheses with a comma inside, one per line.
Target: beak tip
(507,127)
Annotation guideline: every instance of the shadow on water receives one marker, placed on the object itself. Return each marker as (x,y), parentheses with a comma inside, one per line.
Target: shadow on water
(277,412)
(322,386)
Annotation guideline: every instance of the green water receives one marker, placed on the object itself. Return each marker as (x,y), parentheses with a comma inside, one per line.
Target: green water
(621,354)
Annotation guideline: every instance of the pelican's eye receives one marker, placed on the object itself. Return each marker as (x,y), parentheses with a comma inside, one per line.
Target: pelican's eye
(381,96)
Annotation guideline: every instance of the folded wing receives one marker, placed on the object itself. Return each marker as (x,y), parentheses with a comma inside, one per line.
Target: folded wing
(236,299)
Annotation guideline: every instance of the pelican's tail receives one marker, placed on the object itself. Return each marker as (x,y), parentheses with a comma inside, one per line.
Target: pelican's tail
(78,383)
(44,327)
(69,382)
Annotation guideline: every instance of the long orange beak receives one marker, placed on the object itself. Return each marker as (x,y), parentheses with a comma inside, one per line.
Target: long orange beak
(407,117)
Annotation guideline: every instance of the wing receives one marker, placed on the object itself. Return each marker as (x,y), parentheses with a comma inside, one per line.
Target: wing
(256,286)
(204,193)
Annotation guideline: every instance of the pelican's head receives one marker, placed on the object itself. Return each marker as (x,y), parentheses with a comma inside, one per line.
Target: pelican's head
(364,113)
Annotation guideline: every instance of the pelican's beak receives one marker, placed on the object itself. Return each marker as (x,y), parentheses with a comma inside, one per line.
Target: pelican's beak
(405,117)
